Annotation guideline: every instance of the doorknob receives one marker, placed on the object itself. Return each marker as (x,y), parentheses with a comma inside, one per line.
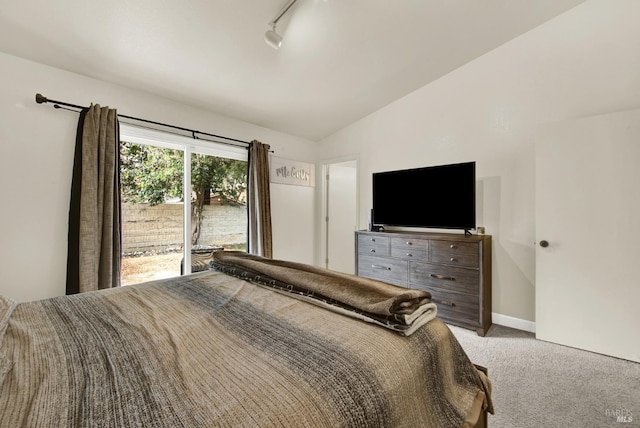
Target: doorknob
(544,244)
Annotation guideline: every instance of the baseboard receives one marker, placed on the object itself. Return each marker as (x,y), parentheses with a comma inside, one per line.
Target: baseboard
(513,322)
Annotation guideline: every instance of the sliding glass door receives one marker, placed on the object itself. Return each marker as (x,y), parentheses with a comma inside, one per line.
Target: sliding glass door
(165,234)
(218,206)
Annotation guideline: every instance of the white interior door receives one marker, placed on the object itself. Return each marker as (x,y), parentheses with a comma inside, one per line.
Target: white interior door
(588,210)
(341,216)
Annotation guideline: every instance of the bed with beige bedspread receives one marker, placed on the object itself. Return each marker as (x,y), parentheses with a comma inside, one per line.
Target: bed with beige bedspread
(216,350)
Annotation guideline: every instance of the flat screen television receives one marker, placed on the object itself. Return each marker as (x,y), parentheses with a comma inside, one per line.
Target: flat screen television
(439,197)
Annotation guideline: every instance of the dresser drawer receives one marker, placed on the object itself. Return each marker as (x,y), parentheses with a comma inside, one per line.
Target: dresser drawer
(463,280)
(455,253)
(455,307)
(371,244)
(383,269)
(410,249)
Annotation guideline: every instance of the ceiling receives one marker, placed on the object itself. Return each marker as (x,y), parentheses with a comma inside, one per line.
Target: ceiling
(340,59)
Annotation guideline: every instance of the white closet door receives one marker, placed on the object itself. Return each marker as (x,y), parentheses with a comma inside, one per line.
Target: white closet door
(341,216)
(588,210)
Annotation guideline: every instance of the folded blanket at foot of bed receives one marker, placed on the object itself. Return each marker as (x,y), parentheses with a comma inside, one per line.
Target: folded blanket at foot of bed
(396,308)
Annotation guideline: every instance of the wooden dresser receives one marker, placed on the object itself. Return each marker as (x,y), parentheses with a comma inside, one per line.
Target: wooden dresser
(454,268)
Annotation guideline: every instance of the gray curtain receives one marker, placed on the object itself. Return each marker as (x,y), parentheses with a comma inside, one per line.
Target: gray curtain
(259,200)
(95,241)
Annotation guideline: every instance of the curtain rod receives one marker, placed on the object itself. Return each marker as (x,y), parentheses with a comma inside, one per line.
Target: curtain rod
(40,99)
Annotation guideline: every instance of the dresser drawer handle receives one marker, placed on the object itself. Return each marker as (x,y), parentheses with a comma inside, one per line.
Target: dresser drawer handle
(381,267)
(409,243)
(372,250)
(409,255)
(453,246)
(373,239)
(444,302)
(453,260)
(448,278)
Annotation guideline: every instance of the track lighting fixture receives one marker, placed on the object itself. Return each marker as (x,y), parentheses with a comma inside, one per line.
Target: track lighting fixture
(272,38)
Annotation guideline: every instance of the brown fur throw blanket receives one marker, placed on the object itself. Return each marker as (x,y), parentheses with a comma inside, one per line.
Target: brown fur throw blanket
(397,308)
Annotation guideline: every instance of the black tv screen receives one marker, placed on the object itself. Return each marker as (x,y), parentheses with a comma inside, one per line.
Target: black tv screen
(432,197)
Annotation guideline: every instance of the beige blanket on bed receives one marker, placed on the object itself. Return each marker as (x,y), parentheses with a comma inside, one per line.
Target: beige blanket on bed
(397,308)
(210,350)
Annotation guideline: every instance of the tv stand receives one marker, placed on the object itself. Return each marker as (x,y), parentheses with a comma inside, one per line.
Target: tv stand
(454,268)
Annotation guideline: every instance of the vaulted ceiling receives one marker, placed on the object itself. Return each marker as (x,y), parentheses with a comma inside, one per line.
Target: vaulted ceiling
(340,59)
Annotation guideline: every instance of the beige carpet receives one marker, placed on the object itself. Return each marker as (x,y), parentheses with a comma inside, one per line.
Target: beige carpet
(540,384)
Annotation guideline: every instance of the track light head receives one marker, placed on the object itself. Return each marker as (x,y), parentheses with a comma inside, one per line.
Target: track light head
(272,38)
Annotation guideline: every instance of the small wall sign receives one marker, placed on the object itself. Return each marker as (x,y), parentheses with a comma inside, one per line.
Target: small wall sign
(287,171)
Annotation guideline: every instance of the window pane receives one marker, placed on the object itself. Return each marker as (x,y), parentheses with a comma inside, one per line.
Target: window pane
(152,212)
(218,207)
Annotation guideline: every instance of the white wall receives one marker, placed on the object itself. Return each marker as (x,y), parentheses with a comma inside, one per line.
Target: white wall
(36,158)
(291,218)
(581,63)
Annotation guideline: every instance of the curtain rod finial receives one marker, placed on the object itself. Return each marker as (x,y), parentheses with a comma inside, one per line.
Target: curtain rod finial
(41,99)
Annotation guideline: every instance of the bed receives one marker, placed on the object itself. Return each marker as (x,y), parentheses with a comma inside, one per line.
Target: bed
(244,345)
